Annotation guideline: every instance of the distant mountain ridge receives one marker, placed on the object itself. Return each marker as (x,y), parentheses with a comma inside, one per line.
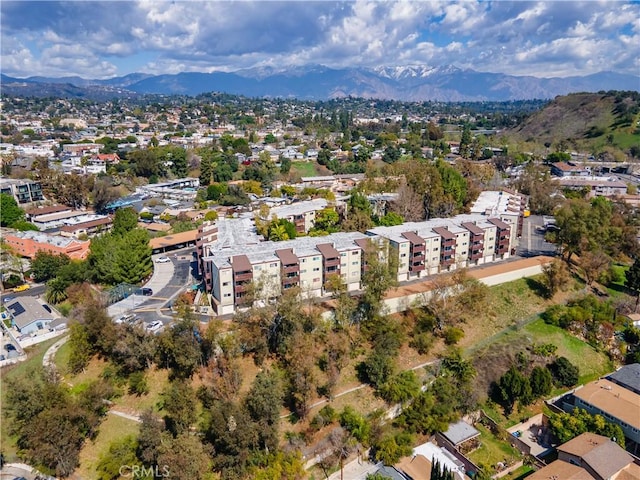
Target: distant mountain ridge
(318,82)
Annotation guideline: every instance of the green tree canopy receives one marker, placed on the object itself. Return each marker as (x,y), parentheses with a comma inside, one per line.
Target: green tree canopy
(10,212)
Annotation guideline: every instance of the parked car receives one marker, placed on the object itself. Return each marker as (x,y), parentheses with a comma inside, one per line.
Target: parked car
(146,291)
(163,260)
(8,299)
(22,288)
(154,326)
(9,346)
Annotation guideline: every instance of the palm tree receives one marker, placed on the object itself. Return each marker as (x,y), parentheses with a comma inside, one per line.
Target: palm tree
(278,233)
(56,291)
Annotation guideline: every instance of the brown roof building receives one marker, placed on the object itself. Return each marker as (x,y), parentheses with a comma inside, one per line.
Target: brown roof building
(617,404)
(590,456)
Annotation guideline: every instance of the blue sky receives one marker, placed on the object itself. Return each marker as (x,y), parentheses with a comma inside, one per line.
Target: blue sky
(107,39)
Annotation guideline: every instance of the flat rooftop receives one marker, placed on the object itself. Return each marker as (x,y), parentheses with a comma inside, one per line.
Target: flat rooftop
(613,399)
(497,202)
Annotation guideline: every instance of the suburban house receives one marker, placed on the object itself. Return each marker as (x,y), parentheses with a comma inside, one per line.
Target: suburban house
(590,457)
(28,315)
(27,244)
(569,169)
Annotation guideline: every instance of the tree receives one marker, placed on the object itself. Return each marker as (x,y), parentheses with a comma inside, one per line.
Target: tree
(594,264)
(56,291)
(565,426)
(263,403)
(125,220)
(179,405)
(400,388)
(465,141)
(556,277)
(45,265)
(441,472)
(179,349)
(285,165)
(184,458)
(10,212)
(121,452)
(514,386)
(564,372)
(103,194)
(206,170)
(632,280)
(541,382)
(80,349)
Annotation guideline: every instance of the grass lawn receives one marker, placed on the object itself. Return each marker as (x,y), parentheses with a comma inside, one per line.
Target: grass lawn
(521,473)
(617,288)
(304,169)
(493,450)
(34,360)
(157,380)
(592,364)
(61,358)
(111,429)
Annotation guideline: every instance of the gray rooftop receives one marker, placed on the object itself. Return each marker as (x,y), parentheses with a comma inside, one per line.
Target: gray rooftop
(266,251)
(299,208)
(26,310)
(460,432)
(628,377)
(496,202)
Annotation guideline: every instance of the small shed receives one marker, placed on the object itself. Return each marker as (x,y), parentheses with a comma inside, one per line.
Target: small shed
(462,435)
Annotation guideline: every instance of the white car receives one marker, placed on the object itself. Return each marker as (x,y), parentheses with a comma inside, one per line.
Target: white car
(163,260)
(154,326)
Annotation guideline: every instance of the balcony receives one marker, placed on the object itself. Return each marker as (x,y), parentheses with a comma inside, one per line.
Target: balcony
(416,267)
(332,269)
(448,243)
(446,261)
(240,288)
(418,256)
(418,247)
(502,249)
(242,276)
(291,275)
(476,254)
(295,268)
(331,262)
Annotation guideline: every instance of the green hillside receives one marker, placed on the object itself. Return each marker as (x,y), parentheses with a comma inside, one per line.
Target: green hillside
(606,125)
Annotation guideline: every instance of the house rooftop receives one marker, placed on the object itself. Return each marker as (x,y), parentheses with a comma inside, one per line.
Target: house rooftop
(559,470)
(498,202)
(26,310)
(40,237)
(460,432)
(613,399)
(602,455)
(628,377)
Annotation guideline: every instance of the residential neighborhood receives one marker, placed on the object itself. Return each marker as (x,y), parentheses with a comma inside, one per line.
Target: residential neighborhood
(342,289)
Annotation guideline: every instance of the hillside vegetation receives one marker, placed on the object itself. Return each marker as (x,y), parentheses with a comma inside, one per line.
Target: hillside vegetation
(605,125)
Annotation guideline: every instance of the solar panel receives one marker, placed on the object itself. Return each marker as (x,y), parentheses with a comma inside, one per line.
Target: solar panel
(17,308)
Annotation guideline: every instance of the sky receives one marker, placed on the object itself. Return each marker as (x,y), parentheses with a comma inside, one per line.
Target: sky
(95,39)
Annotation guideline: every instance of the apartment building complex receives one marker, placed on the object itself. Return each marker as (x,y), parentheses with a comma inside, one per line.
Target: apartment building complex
(269,268)
(234,259)
(439,245)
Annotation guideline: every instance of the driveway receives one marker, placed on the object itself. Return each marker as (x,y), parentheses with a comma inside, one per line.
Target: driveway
(167,281)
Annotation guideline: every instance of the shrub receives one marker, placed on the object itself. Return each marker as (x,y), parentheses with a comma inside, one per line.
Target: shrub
(138,384)
(452,335)
(564,372)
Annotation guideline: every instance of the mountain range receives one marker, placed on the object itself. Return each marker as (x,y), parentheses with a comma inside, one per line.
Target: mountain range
(317,82)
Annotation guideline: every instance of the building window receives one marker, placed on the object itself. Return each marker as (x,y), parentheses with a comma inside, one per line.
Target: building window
(227,294)
(225,284)
(304,260)
(403,255)
(354,274)
(257,268)
(355,263)
(343,254)
(316,269)
(302,271)
(316,280)
(273,265)
(315,259)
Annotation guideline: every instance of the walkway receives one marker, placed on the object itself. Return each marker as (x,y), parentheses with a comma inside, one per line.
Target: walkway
(48,359)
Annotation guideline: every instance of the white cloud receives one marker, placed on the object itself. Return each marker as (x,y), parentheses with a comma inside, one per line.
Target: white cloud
(565,37)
